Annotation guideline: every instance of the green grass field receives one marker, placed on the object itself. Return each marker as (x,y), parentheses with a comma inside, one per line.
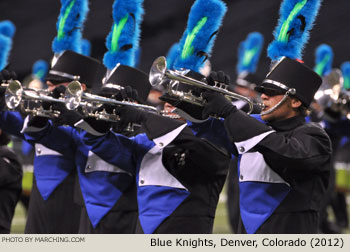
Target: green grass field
(221,225)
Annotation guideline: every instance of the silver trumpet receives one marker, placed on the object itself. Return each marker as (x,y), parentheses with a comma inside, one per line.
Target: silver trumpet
(30,100)
(159,74)
(75,97)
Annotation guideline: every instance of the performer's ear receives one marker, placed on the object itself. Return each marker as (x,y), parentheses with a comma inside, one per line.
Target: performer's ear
(295,103)
(83,85)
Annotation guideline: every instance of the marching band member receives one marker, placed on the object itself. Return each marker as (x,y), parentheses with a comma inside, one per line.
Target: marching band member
(108,191)
(51,208)
(178,175)
(284,162)
(10,183)
(322,112)
(10,167)
(51,143)
(336,123)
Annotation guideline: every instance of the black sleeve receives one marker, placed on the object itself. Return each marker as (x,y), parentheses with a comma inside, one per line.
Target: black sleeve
(240,126)
(156,125)
(309,148)
(10,169)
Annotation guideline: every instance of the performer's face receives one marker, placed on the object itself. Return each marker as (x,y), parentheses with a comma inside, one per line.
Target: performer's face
(286,110)
(52,86)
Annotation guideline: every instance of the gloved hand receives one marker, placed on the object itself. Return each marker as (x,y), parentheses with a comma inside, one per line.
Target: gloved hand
(218,77)
(217,105)
(129,114)
(39,121)
(6,75)
(128,93)
(102,126)
(56,93)
(66,117)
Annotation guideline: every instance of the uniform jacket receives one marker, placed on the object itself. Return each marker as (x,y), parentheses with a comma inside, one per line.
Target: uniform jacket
(101,183)
(179,176)
(50,167)
(10,186)
(283,168)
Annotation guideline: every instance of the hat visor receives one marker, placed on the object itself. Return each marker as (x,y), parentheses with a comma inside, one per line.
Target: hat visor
(56,79)
(267,88)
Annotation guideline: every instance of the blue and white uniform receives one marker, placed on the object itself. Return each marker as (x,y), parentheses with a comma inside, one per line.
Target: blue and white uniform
(101,183)
(273,162)
(169,196)
(54,174)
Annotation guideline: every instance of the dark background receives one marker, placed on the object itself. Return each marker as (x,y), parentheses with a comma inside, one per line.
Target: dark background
(164,23)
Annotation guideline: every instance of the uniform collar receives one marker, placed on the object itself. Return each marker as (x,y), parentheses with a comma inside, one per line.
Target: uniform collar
(287,124)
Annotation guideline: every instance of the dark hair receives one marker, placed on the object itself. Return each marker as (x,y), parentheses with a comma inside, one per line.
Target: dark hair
(302,109)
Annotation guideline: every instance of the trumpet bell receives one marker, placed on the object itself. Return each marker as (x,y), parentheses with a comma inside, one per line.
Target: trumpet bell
(157,72)
(73,95)
(13,94)
(331,88)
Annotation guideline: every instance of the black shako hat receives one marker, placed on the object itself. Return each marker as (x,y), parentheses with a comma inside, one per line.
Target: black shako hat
(124,76)
(74,66)
(192,110)
(287,74)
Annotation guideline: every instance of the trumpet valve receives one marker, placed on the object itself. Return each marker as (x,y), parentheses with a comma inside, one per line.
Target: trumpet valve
(220,85)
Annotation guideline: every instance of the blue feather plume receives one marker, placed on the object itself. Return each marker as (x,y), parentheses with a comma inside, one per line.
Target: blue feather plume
(173,52)
(196,44)
(85,47)
(123,39)
(345,68)
(69,26)
(40,69)
(292,32)
(7,30)
(323,59)
(5,47)
(249,52)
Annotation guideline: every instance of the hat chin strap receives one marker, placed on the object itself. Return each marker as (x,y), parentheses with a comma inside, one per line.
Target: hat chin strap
(289,92)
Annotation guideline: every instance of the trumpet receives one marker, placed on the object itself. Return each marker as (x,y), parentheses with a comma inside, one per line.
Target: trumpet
(31,100)
(90,104)
(332,94)
(160,74)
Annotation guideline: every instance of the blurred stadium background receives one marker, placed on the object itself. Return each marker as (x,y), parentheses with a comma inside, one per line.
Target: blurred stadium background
(163,25)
